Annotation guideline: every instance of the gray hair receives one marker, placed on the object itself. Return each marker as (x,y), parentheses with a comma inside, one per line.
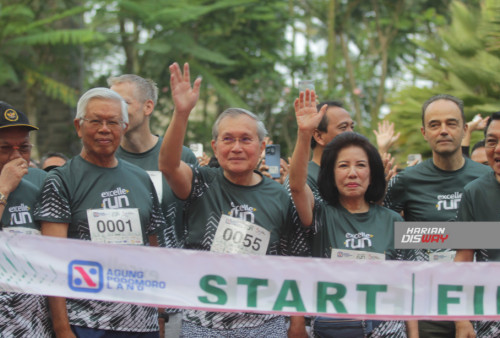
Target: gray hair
(232,112)
(100,93)
(146,88)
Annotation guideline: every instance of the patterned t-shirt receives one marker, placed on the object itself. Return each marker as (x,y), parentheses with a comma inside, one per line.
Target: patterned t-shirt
(266,204)
(66,196)
(23,315)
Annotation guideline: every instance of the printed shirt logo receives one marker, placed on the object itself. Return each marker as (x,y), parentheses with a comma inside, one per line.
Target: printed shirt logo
(85,276)
(20,215)
(244,212)
(11,115)
(449,202)
(358,241)
(115,199)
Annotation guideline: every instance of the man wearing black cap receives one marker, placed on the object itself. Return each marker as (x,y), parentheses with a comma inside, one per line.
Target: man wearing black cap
(17,200)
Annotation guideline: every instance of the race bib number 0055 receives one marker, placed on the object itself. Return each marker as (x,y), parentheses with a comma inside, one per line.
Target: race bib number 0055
(115,226)
(235,235)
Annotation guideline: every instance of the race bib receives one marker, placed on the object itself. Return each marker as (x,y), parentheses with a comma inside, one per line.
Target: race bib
(22,230)
(115,226)
(445,256)
(157,182)
(351,255)
(235,235)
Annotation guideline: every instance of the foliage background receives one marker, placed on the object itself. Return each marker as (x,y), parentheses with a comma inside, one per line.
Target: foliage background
(382,58)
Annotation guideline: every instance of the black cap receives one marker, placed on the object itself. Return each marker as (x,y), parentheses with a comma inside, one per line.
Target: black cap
(11,117)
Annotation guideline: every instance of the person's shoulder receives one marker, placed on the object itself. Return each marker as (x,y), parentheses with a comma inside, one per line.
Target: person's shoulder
(483,182)
(131,167)
(381,210)
(188,156)
(274,188)
(36,176)
(475,167)
(27,185)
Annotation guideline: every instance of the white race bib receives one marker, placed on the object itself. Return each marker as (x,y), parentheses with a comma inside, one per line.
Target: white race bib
(351,255)
(445,256)
(157,182)
(22,230)
(235,235)
(115,226)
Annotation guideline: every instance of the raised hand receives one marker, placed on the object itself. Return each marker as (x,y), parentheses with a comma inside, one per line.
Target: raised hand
(477,123)
(184,96)
(385,136)
(306,113)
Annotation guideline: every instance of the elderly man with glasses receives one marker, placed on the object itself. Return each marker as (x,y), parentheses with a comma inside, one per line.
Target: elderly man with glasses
(123,193)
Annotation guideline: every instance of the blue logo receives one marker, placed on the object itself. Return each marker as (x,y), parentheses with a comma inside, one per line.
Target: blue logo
(85,276)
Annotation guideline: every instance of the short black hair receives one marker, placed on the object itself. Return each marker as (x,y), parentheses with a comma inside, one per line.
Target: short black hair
(447,97)
(493,116)
(326,177)
(323,124)
(477,145)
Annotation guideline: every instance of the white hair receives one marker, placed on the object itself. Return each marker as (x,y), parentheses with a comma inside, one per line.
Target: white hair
(100,93)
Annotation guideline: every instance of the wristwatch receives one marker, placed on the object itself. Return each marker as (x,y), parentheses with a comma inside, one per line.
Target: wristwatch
(3,199)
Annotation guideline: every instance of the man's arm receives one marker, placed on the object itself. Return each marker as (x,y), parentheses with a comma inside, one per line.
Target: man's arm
(57,305)
(177,173)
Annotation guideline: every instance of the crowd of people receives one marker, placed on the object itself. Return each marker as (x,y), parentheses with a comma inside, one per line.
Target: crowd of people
(338,192)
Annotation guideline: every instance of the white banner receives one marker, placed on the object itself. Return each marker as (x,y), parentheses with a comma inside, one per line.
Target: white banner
(224,282)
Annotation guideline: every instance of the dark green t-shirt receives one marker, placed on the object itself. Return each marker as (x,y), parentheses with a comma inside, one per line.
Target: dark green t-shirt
(336,228)
(23,315)
(171,206)
(312,177)
(67,194)
(18,212)
(480,204)
(426,193)
(36,176)
(266,204)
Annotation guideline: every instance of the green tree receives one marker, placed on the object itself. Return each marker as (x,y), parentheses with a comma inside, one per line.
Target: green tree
(233,45)
(368,46)
(459,63)
(34,61)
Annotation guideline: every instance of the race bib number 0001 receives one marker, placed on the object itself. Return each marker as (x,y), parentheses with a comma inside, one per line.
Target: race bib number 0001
(115,226)
(338,254)
(235,235)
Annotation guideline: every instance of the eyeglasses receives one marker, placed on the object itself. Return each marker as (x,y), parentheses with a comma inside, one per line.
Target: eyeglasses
(491,143)
(111,124)
(23,149)
(228,140)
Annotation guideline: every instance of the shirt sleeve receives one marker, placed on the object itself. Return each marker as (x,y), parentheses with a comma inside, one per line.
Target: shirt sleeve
(394,199)
(53,203)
